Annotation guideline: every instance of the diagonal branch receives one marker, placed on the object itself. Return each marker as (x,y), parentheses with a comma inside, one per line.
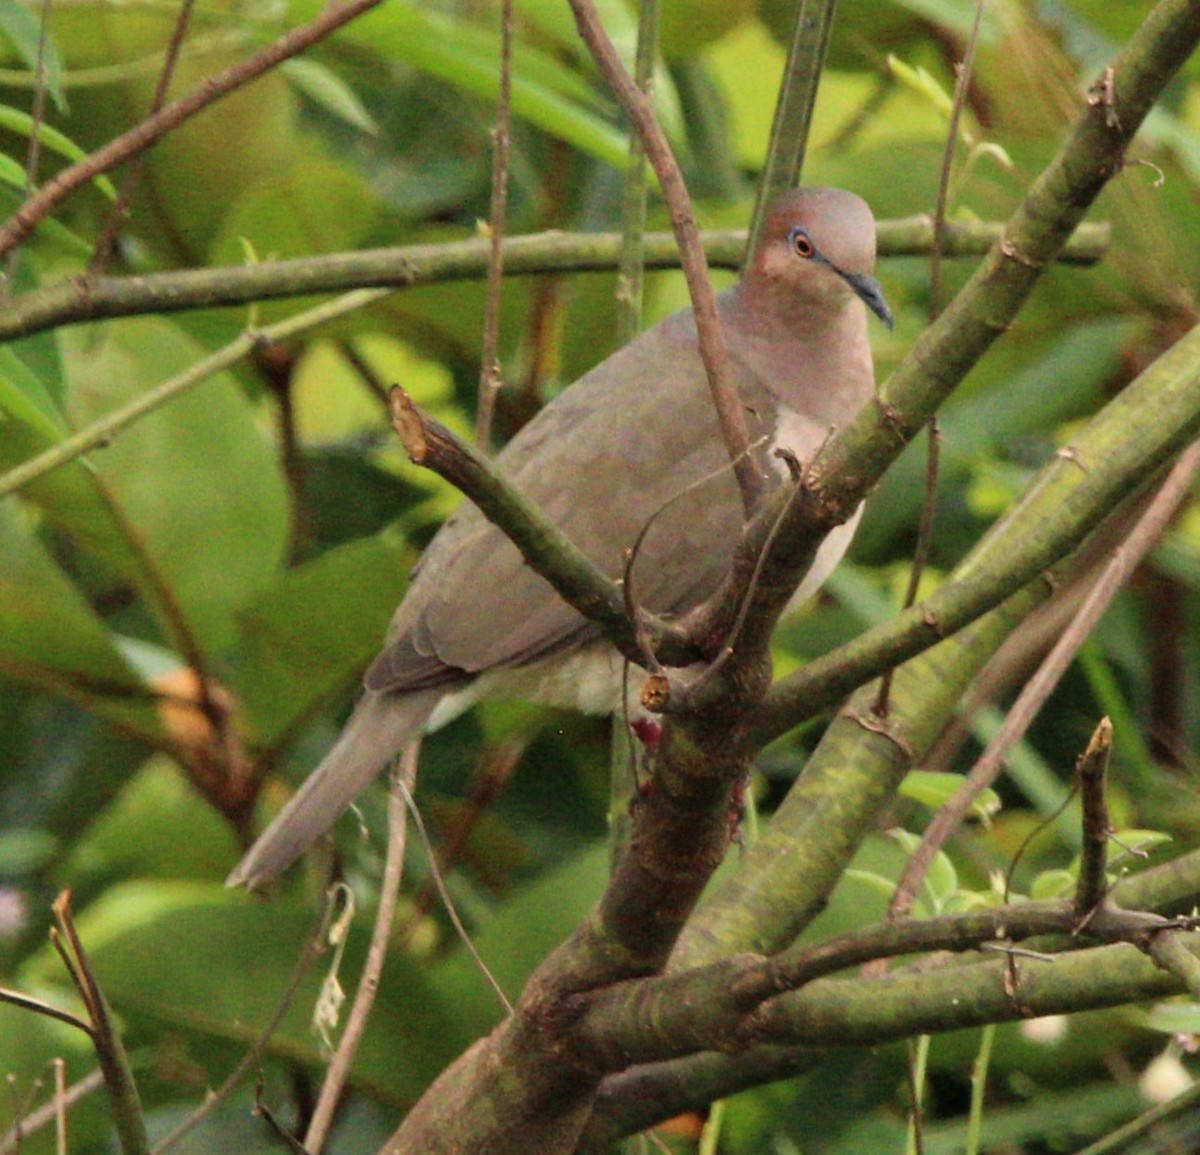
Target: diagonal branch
(151,130)
(695,268)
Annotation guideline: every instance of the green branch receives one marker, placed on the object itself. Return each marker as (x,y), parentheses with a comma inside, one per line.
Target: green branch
(71,302)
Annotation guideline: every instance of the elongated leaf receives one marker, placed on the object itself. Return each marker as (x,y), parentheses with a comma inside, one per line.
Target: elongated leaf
(23,29)
(49,636)
(51,138)
(544,92)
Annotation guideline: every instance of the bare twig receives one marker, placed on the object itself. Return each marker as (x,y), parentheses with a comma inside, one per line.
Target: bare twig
(120,209)
(695,267)
(41,1007)
(1092,769)
(50,1111)
(151,130)
(985,771)
(60,1105)
(488,781)
(543,544)
(37,117)
(921,552)
(929,505)
(451,910)
(489,367)
(403,779)
(961,87)
(128,1118)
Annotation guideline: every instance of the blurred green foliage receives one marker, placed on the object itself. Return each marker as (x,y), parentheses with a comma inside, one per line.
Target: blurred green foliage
(260,529)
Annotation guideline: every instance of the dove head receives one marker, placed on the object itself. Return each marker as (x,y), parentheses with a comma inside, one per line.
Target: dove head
(815,255)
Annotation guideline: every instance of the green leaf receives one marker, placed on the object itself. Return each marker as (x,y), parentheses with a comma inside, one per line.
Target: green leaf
(309,635)
(544,92)
(49,635)
(24,31)
(197,957)
(935,788)
(1053,884)
(57,142)
(24,398)
(197,483)
(325,88)
(1175,1018)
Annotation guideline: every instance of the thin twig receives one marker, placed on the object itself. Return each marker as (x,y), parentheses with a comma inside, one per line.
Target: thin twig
(102,432)
(41,1007)
(151,130)
(120,209)
(60,1105)
(961,87)
(488,781)
(368,983)
(985,771)
(929,505)
(448,902)
(489,367)
(128,1118)
(695,267)
(50,1111)
(37,116)
(1138,1134)
(1092,770)
(924,544)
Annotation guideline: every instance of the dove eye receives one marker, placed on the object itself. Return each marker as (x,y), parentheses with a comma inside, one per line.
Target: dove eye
(800,242)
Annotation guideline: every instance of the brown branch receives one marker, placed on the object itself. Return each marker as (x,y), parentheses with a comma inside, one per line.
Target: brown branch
(545,547)
(404,777)
(695,267)
(1092,769)
(151,130)
(128,1118)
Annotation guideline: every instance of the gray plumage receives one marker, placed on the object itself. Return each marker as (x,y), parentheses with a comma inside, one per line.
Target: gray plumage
(634,441)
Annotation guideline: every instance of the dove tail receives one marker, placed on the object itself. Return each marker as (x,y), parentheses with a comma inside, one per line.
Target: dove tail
(380,726)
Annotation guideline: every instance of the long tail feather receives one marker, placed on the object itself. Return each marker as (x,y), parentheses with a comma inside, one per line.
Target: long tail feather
(380,726)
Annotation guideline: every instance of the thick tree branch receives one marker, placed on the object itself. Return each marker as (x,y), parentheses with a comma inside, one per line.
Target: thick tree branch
(1152,419)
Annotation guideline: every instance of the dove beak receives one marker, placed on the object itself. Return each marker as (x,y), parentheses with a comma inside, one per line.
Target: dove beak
(871,293)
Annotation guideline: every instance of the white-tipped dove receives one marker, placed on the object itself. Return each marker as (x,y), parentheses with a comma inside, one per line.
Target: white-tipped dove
(634,442)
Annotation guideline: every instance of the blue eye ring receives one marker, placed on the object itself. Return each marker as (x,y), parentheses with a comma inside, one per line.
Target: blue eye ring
(801,243)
